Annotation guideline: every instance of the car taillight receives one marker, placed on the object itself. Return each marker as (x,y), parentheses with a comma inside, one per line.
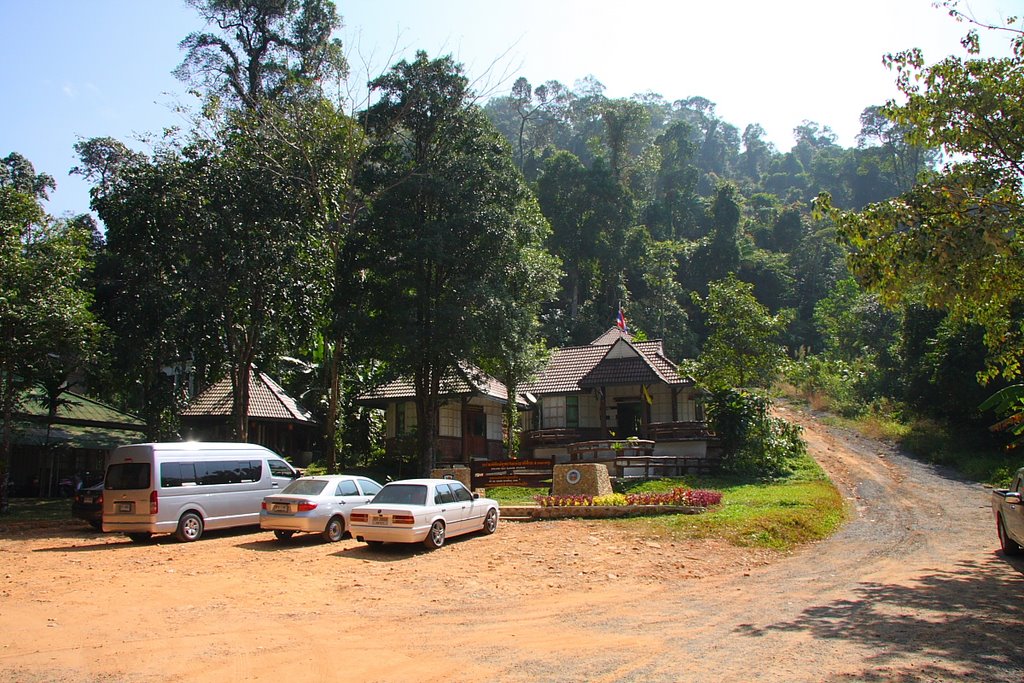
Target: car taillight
(154,504)
(263,505)
(306,506)
(358,517)
(402,519)
(99,499)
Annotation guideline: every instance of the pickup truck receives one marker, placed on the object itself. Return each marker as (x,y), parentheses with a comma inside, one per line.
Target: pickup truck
(1008,507)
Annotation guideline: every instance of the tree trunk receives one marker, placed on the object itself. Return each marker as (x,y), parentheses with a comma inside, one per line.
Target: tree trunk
(331,428)
(7,397)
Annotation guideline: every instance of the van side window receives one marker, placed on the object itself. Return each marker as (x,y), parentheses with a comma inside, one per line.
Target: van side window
(279,468)
(226,472)
(177,474)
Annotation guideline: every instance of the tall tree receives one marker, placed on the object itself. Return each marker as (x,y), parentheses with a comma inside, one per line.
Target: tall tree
(44,308)
(451,225)
(273,60)
(953,241)
(264,49)
(143,202)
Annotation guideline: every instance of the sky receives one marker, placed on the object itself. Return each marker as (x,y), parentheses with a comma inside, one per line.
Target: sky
(76,69)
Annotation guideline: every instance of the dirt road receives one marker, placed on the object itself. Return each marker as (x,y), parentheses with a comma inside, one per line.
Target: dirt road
(911,590)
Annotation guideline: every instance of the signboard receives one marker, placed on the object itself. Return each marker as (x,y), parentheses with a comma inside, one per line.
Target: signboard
(526,473)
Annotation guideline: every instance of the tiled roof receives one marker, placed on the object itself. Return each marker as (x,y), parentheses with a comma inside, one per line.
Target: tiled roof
(77,409)
(267,400)
(455,384)
(575,368)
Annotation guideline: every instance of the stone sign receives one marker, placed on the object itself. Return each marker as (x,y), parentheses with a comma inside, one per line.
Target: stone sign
(581,478)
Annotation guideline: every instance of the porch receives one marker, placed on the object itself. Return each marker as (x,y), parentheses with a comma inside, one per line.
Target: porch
(657,432)
(662,449)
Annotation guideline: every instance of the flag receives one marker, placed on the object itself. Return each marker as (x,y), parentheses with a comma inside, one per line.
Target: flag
(620,321)
(647,394)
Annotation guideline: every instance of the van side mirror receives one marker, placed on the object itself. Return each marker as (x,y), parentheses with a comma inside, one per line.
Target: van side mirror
(1012,498)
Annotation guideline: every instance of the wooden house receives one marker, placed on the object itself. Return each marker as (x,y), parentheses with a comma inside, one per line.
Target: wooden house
(51,454)
(276,420)
(469,422)
(611,399)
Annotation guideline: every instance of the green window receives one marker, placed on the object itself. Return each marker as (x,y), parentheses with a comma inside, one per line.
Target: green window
(572,411)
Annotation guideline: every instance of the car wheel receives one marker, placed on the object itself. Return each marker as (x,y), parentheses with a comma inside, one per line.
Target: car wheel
(435,537)
(491,521)
(97,525)
(140,536)
(283,535)
(1010,546)
(334,530)
(190,527)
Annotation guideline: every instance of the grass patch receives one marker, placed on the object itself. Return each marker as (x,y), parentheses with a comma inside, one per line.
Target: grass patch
(37,510)
(515,495)
(973,454)
(779,514)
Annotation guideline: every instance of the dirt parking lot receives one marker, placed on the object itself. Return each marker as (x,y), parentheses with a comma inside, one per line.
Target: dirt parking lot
(910,590)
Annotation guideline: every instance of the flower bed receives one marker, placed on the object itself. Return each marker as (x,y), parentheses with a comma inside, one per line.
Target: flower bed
(679,501)
(684,497)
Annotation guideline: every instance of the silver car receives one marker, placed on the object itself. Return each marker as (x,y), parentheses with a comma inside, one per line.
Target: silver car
(423,511)
(319,505)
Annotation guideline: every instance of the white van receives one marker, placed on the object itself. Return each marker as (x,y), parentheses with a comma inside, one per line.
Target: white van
(184,488)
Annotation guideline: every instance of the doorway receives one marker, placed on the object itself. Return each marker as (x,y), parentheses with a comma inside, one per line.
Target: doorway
(629,418)
(474,432)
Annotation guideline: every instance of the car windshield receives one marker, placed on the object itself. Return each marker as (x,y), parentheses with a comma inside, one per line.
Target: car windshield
(404,494)
(305,487)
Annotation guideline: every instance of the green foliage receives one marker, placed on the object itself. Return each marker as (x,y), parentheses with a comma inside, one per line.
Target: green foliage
(45,316)
(951,241)
(453,241)
(266,49)
(742,348)
(752,440)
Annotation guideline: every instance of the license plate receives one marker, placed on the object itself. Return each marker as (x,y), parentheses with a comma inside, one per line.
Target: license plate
(89,500)
(377,520)
(125,507)
(280,507)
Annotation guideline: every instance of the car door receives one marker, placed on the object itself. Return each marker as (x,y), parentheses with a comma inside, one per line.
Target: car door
(1013,515)
(453,511)
(347,496)
(472,512)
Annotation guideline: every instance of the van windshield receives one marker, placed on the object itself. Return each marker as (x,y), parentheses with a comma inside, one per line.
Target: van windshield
(127,476)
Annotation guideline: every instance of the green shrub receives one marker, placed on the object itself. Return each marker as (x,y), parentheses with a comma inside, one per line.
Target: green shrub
(752,440)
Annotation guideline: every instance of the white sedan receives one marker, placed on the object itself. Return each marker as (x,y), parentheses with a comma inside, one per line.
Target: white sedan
(319,505)
(423,511)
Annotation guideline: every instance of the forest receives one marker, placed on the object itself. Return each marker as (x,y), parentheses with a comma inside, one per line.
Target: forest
(337,245)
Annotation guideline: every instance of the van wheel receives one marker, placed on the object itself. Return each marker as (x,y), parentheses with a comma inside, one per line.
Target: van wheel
(282,535)
(334,530)
(190,527)
(140,536)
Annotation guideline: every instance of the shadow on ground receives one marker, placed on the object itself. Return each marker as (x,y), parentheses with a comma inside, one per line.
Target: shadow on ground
(963,623)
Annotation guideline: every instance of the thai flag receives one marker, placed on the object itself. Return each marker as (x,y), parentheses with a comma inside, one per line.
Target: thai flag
(620,321)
